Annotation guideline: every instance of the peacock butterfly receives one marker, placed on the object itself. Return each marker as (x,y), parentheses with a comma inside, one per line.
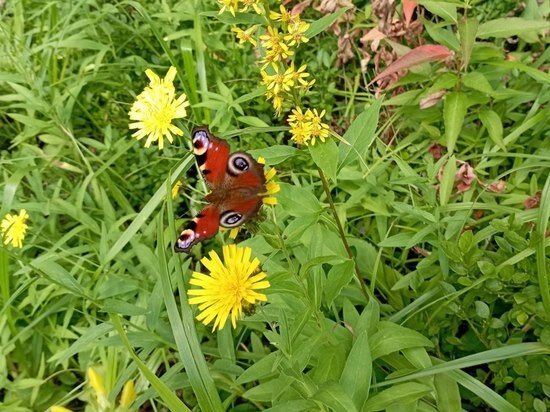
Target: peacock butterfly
(236,181)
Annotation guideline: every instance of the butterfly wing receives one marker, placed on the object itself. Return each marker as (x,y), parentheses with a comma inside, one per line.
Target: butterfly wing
(212,154)
(243,184)
(236,181)
(202,227)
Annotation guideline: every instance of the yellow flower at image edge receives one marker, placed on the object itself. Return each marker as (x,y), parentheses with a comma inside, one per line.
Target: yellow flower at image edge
(59,409)
(156,107)
(14,227)
(271,187)
(231,286)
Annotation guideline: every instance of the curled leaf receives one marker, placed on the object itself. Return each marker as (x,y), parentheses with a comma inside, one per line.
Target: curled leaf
(419,55)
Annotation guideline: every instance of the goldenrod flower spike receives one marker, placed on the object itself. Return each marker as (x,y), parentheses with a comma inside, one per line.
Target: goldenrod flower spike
(156,107)
(14,228)
(231,286)
(245,35)
(306,127)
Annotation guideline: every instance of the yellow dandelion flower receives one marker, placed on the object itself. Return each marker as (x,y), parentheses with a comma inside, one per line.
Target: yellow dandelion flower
(59,409)
(128,394)
(271,187)
(318,128)
(285,17)
(14,227)
(296,33)
(176,189)
(245,35)
(229,5)
(254,4)
(231,286)
(156,107)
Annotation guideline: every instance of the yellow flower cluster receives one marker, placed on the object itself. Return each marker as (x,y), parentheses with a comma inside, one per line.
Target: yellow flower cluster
(232,6)
(306,127)
(284,32)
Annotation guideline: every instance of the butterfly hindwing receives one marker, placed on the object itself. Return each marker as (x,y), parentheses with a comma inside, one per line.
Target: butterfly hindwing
(203,226)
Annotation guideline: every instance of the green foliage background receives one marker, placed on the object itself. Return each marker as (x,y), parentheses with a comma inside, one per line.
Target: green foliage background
(456,308)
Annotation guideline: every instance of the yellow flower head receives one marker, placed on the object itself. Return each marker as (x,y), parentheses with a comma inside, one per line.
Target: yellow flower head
(277,101)
(276,48)
(271,187)
(229,5)
(318,128)
(231,286)
(59,409)
(13,228)
(156,107)
(306,127)
(128,394)
(296,33)
(300,76)
(285,17)
(96,382)
(254,4)
(279,81)
(176,189)
(245,35)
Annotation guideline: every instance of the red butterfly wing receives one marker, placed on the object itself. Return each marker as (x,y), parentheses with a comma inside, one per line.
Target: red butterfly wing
(212,154)
(236,181)
(203,226)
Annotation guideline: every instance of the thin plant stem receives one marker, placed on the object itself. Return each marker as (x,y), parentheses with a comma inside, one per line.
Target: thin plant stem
(364,289)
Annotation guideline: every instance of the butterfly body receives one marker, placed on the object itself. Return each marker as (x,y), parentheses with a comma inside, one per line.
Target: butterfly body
(236,181)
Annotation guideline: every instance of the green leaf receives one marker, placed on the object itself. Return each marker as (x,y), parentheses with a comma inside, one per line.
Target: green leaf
(338,276)
(447,181)
(147,210)
(320,25)
(467,28)
(167,394)
(259,370)
(448,396)
(275,154)
(357,373)
(298,201)
(333,395)
(325,156)
(360,134)
(391,337)
(454,111)
(510,26)
(398,394)
(441,8)
(493,124)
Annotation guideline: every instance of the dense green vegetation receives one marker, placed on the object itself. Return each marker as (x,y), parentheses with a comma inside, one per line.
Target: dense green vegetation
(407,255)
